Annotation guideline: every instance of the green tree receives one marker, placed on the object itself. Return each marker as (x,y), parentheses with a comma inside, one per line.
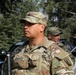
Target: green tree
(11,30)
(62,14)
(6,6)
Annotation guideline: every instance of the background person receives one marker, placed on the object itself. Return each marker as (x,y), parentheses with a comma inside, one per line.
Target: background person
(53,33)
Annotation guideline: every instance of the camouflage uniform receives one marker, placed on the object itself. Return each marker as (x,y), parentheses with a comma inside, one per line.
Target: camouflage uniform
(67,50)
(32,61)
(54,31)
(46,58)
(61,62)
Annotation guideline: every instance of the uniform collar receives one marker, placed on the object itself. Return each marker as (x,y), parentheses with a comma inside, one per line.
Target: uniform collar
(44,43)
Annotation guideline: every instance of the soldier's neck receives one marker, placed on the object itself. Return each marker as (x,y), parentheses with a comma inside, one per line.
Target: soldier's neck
(36,41)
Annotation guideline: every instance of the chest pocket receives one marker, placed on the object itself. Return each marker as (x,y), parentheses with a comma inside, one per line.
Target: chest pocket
(20,61)
(31,59)
(35,59)
(38,58)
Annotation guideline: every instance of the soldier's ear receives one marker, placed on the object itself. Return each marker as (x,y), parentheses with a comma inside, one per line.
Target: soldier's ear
(49,36)
(42,27)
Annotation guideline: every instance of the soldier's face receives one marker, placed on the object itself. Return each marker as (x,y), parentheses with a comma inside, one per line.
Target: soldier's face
(32,30)
(56,38)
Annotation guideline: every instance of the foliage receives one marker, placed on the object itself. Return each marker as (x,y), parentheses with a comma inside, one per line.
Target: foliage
(62,14)
(8,30)
(11,30)
(59,13)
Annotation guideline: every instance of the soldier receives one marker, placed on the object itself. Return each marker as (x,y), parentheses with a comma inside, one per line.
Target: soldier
(39,56)
(53,33)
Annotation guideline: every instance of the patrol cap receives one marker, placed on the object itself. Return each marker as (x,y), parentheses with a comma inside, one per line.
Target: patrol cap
(35,17)
(54,31)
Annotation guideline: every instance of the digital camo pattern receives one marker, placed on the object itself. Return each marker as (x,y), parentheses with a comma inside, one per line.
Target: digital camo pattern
(35,61)
(35,17)
(44,59)
(54,31)
(62,64)
(67,50)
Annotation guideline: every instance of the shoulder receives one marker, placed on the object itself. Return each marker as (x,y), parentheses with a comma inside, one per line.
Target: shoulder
(47,43)
(60,44)
(58,51)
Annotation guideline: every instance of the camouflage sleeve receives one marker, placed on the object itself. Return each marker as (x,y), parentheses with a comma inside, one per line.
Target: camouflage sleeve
(61,61)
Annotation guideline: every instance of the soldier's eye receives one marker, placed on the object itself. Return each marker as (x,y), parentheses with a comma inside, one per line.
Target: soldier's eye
(28,24)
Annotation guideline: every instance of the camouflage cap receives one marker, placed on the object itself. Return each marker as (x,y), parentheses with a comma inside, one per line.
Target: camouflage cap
(54,31)
(35,17)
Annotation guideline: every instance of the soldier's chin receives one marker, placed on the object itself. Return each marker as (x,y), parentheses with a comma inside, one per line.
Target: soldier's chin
(27,36)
